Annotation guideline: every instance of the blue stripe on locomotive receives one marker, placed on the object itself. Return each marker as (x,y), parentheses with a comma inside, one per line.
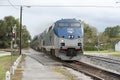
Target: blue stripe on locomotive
(67,31)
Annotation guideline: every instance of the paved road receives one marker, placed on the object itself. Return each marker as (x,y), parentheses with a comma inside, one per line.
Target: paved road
(3,53)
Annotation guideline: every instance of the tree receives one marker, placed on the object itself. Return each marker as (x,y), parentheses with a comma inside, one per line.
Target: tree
(25,37)
(112,32)
(90,35)
(3,39)
(112,35)
(6,26)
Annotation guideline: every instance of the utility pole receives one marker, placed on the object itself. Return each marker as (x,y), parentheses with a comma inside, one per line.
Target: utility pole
(21,9)
(20,28)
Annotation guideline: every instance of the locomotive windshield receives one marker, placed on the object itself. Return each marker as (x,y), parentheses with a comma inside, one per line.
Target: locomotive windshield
(63,24)
(75,24)
(69,24)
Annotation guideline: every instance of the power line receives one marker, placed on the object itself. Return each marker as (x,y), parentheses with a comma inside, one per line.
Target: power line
(11,4)
(64,6)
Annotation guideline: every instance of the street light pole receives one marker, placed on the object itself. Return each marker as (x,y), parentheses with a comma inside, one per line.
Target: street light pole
(20,28)
(21,9)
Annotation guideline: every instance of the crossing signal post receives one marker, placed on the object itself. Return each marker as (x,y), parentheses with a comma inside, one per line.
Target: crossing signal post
(13,41)
(13,35)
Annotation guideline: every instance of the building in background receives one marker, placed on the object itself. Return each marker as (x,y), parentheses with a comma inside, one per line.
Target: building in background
(117,46)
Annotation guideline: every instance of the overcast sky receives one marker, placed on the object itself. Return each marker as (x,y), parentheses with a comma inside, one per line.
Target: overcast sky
(37,19)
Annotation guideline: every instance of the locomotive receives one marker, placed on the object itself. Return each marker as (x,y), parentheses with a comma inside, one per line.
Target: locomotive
(64,39)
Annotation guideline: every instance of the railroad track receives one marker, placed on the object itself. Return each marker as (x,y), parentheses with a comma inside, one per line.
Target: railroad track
(111,64)
(95,72)
(44,59)
(105,59)
(37,57)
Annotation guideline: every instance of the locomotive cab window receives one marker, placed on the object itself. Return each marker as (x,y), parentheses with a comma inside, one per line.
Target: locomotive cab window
(75,25)
(63,24)
(69,24)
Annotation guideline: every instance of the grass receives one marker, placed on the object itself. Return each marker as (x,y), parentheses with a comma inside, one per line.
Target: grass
(5,63)
(112,53)
(103,52)
(18,71)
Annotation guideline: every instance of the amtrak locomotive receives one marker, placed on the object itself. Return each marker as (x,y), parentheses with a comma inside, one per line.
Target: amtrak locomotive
(64,39)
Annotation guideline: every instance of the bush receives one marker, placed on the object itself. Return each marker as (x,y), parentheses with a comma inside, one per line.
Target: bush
(90,48)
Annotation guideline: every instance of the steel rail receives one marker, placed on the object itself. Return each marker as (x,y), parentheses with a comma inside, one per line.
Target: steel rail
(93,71)
(105,59)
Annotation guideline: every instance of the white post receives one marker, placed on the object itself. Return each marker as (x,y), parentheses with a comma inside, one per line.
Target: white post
(15,65)
(12,69)
(7,75)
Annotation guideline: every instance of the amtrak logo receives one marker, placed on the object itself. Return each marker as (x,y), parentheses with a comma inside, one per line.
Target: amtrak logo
(70,30)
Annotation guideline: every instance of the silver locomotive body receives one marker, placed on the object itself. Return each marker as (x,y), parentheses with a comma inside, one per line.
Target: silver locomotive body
(64,39)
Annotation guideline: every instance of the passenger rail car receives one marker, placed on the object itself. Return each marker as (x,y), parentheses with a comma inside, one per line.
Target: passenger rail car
(64,39)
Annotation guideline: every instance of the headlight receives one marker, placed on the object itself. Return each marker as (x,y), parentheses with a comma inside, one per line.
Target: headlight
(70,36)
(62,40)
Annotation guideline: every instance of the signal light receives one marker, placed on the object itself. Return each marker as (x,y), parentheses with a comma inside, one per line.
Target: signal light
(13,35)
